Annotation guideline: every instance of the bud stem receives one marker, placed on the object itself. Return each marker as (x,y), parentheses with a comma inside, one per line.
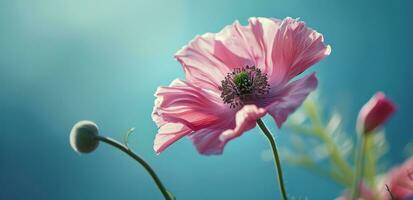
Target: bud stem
(277,162)
(359,169)
(125,149)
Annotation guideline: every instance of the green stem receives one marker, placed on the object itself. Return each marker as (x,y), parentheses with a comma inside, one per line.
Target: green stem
(358,174)
(125,149)
(370,164)
(277,162)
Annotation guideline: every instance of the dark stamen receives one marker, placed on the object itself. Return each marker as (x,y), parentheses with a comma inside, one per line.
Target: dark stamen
(244,85)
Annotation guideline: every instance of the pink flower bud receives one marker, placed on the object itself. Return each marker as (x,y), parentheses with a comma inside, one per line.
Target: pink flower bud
(374,113)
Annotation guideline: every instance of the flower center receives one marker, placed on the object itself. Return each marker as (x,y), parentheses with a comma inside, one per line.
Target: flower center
(244,85)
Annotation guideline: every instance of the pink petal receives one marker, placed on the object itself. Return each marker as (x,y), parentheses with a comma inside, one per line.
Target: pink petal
(182,108)
(207,140)
(185,103)
(168,134)
(282,104)
(282,49)
(295,48)
(208,58)
(264,31)
(213,139)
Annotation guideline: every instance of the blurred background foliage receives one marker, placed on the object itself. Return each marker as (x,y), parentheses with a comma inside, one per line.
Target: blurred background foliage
(322,147)
(62,61)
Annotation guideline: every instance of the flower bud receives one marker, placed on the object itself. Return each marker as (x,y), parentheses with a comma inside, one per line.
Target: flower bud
(84,136)
(374,113)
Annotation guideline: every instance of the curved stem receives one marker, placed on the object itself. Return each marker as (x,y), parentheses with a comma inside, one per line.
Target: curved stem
(116,144)
(277,162)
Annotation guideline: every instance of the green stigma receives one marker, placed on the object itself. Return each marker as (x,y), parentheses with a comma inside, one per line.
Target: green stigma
(244,85)
(241,78)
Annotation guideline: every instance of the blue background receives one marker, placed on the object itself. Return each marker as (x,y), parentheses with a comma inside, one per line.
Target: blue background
(64,61)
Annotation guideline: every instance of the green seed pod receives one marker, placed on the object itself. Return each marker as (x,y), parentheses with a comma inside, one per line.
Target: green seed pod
(84,136)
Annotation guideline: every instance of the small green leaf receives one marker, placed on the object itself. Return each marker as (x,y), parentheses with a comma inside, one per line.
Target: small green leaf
(127,134)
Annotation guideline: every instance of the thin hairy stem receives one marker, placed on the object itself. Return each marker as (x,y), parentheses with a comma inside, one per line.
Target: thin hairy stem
(125,149)
(277,162)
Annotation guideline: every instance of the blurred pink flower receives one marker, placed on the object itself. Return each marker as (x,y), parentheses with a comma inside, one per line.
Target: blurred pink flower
(375,112)
(365,193)
(400,180)
(235,77)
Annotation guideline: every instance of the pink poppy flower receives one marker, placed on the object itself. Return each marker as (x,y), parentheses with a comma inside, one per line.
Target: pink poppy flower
(375,112)
(400,181)
(235,77)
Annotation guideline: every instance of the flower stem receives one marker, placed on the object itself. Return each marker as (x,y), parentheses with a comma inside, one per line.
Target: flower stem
(125,149)
(277,162)
(358,174)
(370,164)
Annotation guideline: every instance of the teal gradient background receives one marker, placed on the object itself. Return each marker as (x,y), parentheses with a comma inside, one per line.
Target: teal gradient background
(62,61)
